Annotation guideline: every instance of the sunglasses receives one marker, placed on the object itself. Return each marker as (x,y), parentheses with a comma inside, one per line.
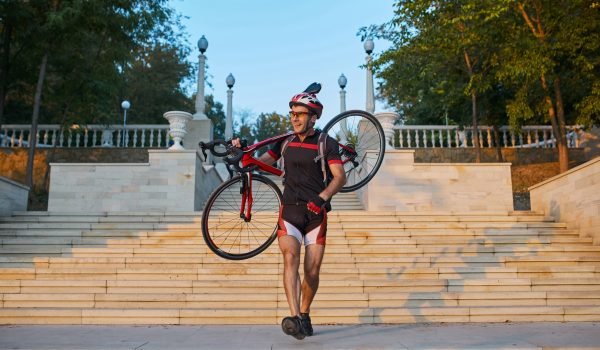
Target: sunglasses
(298,114)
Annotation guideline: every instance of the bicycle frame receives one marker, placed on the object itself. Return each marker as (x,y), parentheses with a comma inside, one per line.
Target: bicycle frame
(249,163)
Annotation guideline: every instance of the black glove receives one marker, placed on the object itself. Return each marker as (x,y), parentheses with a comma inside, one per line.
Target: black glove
(316,204)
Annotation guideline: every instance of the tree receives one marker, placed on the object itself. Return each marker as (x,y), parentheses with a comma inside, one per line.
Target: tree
(554,46)
(214,112)
(269,125)
(82,73)
(525,60)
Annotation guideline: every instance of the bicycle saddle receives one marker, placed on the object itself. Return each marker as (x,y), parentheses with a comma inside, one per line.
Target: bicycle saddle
(313,88)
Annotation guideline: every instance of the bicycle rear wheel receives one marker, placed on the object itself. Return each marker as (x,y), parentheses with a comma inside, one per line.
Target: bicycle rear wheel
(226,233)
(362,146)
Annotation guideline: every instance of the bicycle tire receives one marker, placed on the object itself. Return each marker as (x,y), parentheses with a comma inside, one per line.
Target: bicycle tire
(230,236)
(361,132)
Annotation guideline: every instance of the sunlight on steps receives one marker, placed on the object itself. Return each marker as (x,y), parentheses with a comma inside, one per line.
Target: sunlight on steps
(379,267)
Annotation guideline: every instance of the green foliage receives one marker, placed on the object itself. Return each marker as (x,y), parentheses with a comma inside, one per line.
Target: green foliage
(100,53)
(269,125)
(214,112)
(425,73)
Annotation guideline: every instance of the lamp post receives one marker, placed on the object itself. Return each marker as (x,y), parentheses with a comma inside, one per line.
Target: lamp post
(230,80)
(202,46)
(369,46)
(342,81)
(125,105)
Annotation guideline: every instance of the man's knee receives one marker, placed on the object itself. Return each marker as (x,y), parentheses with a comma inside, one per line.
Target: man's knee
(311,273)
(290,255)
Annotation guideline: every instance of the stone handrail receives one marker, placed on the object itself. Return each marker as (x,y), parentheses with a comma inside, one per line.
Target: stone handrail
(432,136)
(404,136)
(80,136)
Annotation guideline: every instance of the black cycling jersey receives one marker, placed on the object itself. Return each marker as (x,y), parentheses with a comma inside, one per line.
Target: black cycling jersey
(303,173)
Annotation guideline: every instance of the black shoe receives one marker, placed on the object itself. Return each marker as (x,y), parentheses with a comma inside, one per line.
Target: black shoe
(306,324)
(293,326)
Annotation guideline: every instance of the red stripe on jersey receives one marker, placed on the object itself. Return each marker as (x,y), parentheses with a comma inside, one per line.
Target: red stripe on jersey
(303,145)
(334,161)
(272,154)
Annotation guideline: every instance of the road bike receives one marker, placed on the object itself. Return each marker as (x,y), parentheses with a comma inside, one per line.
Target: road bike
(239,220)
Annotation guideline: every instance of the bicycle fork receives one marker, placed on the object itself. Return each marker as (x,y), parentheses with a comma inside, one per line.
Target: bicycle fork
(246,192)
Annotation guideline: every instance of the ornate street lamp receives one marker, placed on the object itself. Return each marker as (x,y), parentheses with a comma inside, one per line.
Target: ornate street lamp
(342,81)
(202,46)
(230,81)
(369,46)
(125,105)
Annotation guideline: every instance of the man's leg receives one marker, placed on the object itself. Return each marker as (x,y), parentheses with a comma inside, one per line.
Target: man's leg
(290,249)
(313,257)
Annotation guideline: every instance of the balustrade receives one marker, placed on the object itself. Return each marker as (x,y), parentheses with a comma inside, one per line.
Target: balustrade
(432,136)
(148,136)
(405,136)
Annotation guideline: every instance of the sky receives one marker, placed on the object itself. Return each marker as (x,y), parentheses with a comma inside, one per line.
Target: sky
(276,48)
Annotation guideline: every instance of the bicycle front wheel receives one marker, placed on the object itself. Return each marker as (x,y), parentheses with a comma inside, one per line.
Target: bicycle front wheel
(362,146)
(227,233)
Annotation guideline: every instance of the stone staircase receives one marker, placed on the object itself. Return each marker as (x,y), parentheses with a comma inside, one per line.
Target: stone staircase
(379,267)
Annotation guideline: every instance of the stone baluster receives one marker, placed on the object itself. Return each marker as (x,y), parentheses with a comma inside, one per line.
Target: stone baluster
(504,138)
(480,137)
(448,138)
(134,143)
(433,138)
(86,137)
(401,138)
(77,140)
(537,138)
(143,137)
(408,138)
(119,138)
(417,138)
(441,137)
(489,138)
(151,140)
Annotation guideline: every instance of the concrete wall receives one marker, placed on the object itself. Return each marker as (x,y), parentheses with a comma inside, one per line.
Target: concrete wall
(13,196)
(166,183)
(402,185)
(572,197)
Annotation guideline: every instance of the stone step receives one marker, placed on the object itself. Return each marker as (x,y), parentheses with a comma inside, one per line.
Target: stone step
(355,315)
(275,298)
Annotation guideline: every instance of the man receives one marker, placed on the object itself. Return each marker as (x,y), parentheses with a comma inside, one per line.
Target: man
(303,216)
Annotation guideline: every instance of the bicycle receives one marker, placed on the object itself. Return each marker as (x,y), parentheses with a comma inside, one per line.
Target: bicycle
(239,220)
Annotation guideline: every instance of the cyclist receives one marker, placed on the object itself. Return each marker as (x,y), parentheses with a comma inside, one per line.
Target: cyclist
(303,216)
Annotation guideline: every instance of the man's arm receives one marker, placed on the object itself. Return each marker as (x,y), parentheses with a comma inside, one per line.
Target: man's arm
(336,184)
(265,158)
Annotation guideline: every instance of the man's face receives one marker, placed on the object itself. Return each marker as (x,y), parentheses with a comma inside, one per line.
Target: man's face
(301,118)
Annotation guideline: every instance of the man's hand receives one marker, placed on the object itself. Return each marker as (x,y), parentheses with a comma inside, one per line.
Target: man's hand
(315,205)
(236,142)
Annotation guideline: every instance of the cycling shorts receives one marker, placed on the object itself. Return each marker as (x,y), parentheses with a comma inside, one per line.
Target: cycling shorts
(299,222)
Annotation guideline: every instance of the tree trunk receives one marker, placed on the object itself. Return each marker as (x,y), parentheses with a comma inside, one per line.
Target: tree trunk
(475,135)
(559,132)
(563,148)
(556,114)
(4,66)
(498,147)
(34,124)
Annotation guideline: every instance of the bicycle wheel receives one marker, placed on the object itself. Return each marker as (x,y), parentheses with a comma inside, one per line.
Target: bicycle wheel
(362,146)
(226,233)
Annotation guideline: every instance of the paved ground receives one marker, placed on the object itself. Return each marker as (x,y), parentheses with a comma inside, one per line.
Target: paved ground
(410,336)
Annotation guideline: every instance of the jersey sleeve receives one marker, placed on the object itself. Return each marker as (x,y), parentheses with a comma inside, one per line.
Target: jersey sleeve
(332,151)
(275,150)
